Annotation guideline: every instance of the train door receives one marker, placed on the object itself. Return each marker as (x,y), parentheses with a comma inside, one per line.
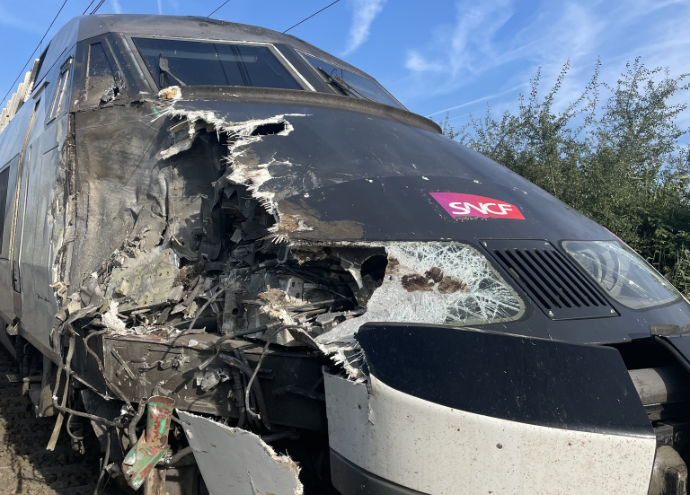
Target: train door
(32,255)
(8,175)
(10,189)
(17,219)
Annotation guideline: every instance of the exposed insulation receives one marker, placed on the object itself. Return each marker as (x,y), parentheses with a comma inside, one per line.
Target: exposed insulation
(243,168)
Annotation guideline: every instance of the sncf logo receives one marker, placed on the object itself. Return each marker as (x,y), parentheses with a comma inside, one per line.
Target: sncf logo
(468,205)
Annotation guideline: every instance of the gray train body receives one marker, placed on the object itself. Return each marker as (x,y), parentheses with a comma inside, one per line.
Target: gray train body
(334,297)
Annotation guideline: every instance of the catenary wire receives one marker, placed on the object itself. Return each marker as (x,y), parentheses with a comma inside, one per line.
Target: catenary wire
(32,53)
(98,6)
(218,8)
(307,18)
(87,8)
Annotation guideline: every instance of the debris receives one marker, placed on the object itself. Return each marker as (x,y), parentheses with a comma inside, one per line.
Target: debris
(176,293)
(233,460)
(170,93)
(113,321)
(416,282)
(448,285)
(144,281)
(153,444)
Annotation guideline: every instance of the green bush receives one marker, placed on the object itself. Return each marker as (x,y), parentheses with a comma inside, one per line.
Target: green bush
(616,160)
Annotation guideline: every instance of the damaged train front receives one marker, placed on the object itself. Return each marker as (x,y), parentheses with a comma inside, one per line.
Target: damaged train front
(192,296)
(283,293)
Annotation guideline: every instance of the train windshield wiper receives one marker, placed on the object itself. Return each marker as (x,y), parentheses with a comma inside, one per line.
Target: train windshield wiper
(343,85)
(352,89)
(165,69)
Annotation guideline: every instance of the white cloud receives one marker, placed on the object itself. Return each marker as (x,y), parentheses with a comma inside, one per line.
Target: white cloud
(488,49)
(365,11)
(482,99)
(116,6)
(472,42)
(417,63)
(468,46)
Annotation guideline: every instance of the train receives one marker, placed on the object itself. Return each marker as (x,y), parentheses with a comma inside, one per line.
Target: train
(233,263)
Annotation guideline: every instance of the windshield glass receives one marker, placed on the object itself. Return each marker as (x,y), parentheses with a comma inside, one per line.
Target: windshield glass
(438,283)
(351,84)
(191,63)
(622,273)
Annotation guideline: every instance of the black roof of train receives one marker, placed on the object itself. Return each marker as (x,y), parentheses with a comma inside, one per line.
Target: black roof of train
(88,26)
(182,26)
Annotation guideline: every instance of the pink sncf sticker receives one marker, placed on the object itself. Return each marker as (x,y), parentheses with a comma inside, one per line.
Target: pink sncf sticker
(468,205)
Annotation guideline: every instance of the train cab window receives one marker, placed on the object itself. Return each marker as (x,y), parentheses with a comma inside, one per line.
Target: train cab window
(351,84)
(4,180)
(191,63)
(60,97)
(100,79)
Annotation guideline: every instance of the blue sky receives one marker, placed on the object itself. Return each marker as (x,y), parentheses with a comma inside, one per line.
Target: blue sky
(435,56)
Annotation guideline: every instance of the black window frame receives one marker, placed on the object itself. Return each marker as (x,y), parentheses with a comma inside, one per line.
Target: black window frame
(90,97)
(305,56)
(5,170)
(299,78)
(62,89)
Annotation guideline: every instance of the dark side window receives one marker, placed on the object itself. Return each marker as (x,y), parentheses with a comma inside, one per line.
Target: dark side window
(100,82)
(191,63)
(351,84)
(4,180)
(60,97)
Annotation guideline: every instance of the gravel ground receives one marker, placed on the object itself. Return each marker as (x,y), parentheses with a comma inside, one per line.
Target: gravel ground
(26,467)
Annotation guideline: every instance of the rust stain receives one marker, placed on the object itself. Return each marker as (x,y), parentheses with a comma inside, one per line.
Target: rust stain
(297,214)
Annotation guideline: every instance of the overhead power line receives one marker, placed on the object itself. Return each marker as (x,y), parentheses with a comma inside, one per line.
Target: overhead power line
(218,8)
(33,53)
(98,6)
(307,18)
(87,8)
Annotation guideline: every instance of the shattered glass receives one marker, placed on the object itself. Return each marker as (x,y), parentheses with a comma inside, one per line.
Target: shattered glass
(435,283)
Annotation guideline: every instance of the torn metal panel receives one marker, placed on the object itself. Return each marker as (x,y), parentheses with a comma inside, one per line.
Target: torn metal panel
(233,460)
(147,365)
(145,281)
(247,168)
(310,165)
(299,220)
(186,368)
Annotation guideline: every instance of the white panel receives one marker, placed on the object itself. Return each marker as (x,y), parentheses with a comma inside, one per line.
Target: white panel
(234,461)
(441,451)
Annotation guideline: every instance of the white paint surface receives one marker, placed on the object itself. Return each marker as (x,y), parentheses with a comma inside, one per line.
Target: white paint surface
(237,462)
(442,451)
